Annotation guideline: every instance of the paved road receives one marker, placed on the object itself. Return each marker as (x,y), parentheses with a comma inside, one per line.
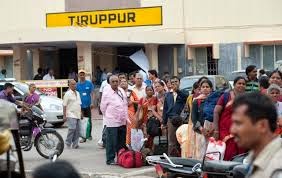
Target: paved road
(88,158)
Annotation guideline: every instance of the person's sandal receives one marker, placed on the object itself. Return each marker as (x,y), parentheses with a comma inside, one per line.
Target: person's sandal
(82,141)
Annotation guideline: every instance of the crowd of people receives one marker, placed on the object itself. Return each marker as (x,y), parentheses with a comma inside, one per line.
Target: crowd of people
(247,118)
(165,102)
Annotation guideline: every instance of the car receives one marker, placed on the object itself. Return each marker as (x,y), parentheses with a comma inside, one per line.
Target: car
(219,82)
(52,106)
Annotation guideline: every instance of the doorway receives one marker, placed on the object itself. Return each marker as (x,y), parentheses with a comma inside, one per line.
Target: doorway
(68,61)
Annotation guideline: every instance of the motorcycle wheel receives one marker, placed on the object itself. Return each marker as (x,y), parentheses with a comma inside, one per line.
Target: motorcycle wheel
(52,142)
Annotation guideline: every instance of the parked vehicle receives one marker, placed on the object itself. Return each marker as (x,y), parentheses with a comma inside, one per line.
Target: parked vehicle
(180,167)
(52,106)
(219,82)
(47,141)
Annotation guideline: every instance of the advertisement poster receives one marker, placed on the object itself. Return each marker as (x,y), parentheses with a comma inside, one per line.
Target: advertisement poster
(49,91)
(50,87)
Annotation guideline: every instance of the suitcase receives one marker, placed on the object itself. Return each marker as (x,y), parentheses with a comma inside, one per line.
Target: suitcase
(161,144)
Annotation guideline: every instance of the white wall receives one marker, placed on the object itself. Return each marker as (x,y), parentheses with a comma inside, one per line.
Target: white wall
(226,21)
(18,15)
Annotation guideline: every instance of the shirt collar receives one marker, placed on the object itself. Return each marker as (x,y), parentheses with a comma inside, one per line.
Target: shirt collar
(142,87)
(263,158)
(113,91)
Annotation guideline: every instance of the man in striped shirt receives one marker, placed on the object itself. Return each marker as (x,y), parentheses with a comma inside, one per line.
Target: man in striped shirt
(252,84)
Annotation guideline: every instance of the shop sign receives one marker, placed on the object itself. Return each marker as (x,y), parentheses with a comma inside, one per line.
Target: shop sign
(48,83)
(49,87)
(147,16)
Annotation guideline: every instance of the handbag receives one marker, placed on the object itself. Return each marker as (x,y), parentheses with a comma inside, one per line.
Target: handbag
(185,114)
(153,127)
(137,138)
(215,149)
(129,158)
(84,129)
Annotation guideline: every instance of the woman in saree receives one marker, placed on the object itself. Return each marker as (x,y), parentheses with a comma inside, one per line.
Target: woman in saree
(161,93)
(198,120)
(222,118)
(132,108)
(191,136)
(145,104)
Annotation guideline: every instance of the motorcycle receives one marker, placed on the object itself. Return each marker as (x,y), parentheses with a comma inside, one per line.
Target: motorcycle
(47,141)
(180,167)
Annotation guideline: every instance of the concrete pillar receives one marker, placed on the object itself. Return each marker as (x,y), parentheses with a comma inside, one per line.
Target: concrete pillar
(20,65)
(84,57)
(152,54)
(35,60)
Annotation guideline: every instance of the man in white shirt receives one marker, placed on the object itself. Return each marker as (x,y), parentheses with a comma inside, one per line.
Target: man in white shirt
(50,75)
(72,114)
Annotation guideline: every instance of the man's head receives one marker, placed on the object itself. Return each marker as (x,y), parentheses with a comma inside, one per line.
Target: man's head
(122,76)
(81,74)
(72,84)
(251,72)
(39,70)
(57,169)
(131,77)
(261,71)
(175,82)
(166,76)
(114,81)
(123,84)
(153,74)
(138,79)
(253,120)
(3,71)
(51,72)
(8,87)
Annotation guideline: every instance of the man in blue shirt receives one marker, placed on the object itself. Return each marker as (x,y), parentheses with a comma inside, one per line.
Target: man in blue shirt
(86,91)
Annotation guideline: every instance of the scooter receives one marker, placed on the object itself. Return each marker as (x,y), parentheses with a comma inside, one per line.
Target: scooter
(47,141)
(180,167)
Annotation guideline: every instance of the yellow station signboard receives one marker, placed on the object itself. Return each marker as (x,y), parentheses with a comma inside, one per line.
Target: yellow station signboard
(147,16)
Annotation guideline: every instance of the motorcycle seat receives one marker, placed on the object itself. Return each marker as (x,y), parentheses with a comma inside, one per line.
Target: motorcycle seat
(187,164)
(220,166)
(184,161)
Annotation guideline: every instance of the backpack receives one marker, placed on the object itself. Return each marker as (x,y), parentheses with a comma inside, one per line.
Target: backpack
(210,103)
(130,158)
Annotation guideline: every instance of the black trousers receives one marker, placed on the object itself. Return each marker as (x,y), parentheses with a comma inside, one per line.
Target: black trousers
(115,139)
(86,112)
